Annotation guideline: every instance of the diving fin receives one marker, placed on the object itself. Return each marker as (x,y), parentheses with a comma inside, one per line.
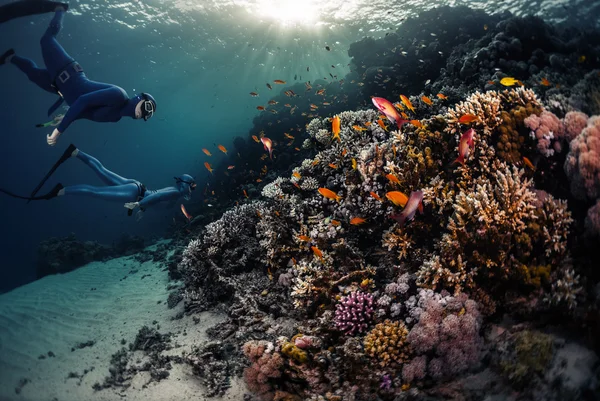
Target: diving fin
(50,195)
(65,156)
(5,55)
(24,8)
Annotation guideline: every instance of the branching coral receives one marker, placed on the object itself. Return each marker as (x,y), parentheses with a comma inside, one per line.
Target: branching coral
(354,312)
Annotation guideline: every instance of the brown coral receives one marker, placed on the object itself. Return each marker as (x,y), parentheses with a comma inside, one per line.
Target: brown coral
(510,135)
(386,342)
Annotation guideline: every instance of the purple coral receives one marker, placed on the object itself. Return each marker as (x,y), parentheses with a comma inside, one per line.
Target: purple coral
(354,313)
(548,130)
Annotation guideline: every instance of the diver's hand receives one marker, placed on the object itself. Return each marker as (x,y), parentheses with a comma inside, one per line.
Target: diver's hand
(139,215)
(132,205)
(53,138)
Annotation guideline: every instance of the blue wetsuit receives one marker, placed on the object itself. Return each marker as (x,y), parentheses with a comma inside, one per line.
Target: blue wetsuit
(87,99)
(124,189)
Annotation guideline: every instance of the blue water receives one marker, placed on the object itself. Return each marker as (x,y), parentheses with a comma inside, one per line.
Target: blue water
(199,60)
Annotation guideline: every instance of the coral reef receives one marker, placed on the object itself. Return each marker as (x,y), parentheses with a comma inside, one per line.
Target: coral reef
(354,312)
(583,161)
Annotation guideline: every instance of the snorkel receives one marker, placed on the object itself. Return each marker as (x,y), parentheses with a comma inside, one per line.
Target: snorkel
(185,184)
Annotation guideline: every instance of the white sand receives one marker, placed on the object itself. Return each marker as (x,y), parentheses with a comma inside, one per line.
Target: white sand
(60,311)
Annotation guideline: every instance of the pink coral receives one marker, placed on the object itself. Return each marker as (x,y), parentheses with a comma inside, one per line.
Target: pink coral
(592,221)
(354,313)
(266,364)
(574,122)
(582,165)
(548,130)
(415,369)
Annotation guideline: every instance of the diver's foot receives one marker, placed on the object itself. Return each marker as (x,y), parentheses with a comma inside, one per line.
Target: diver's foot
(61,7)
(71,151)
(58,190)
(7,56)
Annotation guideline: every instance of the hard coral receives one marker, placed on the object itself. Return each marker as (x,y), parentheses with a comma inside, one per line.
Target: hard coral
(354,313)
(583,162)
(510,138)
(386,342)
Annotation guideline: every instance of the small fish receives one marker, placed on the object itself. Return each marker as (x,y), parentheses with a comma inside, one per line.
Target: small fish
(414,203)
(269,86)
(317,252)
(231,167)
(509,81)
(335,127)
(206,152)
(273,111)
(287,105)
(288,136)
(468,118)
(528,163)
(545,82)
(296,174)
(333,166)
(326,48)
(374,195)
(465,145)
(279,81)
(355,221)
(222,149)
(353,164)
(261,108)
(344,152)
(491,82)
(397,198)
(407,103)
(581,59)
(272,102)
(268,144)
(358,128)
(297,149)
(208,167)
(245,193)
(426,100)
(255,139)
(258,180)
(382,124)
(392,178)
(320,91)
(253,94)
(185,213)
(335,223)
(314,106)
(304,238)
(394,149)
(388,109)
(485,27)
(416,123)
(329,194)
(314,163)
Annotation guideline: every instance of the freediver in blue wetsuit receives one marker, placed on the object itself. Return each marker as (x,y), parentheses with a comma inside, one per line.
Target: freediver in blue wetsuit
(87,99)
(132,193)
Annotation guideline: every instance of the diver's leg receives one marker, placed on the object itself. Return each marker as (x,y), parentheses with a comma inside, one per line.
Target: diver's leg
(119,193)
(55,57)
(38,76)
(107,176)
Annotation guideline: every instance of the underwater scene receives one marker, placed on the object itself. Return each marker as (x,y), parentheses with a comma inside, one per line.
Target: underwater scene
(275,200)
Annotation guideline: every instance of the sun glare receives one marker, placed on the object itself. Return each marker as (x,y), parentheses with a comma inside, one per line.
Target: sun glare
(289,12)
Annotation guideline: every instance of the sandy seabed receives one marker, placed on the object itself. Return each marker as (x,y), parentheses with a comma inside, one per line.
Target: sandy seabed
(105,302)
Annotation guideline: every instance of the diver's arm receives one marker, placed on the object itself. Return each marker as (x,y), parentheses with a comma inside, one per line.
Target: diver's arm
(108,97)
(161,196)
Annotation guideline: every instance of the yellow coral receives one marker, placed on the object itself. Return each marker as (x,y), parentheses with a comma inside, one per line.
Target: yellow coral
(292,351)
(386,342)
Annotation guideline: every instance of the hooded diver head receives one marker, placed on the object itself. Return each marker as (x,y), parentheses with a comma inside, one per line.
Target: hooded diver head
(140,106)
(185,184)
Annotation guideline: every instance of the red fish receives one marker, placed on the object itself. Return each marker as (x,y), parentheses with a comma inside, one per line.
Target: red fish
(415,202)
(268,144)
(185,213)
(465,145)
(387,108)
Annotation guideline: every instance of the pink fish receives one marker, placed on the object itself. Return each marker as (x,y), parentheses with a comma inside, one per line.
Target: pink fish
(185,213)
(387,108)
(415,201)
(268,144)
(465,145)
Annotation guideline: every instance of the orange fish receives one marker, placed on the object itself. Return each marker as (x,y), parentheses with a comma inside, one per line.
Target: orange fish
(414,203)
(268,144)
(253,94)
(245,193)
(320,91)
(258,180)
(287,105)
(416,123)
(272,102)
(255,138)
(329,194)
(359,128)
(407,103)
(206,152)
(314,106)
(288,135)
(185,213)
(304,238)
(296,185)
(545,82)
(528,163)
(374,195)
(317,252)
(397,198)
(426,100)
(468,118)
(222,149)
(296,174)
(258,214)
(344,152)
(465,145)
(442,96)
(314,163)
(355,221)
(230,167)
(392,178)
(491,82)
(394,149)
(279,81)
(261,108)
(382,124)
(335,223)
(368,123)
(332,165)
(387,108)
(297,149)
(335,127)
(208,167)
